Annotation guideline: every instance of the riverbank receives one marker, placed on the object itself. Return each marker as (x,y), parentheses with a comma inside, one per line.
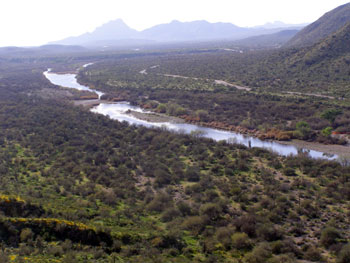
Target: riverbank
(331,149)
(341,150)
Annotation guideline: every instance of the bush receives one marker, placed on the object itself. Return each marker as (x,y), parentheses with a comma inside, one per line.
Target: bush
(282,259)
(170,214)
(241,241)
(26,235)
(344,255)
(313,254)
(195,223)
(289,171)
(269,232)
(55,251)
(247,224)
(161,108)
(223,235)
(260,254)
(329,236)
(211,210)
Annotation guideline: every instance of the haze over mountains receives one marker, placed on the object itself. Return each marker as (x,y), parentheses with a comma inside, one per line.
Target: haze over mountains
(268,41)
(118,33)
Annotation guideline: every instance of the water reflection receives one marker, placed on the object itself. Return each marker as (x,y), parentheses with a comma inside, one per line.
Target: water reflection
(118,111)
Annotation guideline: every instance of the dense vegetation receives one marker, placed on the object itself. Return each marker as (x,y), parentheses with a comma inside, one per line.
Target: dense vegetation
(79,187)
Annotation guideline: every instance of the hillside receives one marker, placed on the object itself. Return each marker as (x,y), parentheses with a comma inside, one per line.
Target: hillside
(321,67)
(323,27)
(334,47)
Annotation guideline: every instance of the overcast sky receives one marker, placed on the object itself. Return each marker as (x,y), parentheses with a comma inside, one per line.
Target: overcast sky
(36,22)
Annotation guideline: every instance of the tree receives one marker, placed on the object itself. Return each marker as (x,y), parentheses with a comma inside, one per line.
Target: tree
(331,115)
(303,129)
(326,132)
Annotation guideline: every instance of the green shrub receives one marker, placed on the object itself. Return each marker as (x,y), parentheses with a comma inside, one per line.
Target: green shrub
(326,132)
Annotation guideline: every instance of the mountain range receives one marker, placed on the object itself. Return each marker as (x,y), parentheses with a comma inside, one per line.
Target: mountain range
(116,33)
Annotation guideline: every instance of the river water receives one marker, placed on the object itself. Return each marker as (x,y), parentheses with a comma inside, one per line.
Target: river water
(69,81)
(118,111)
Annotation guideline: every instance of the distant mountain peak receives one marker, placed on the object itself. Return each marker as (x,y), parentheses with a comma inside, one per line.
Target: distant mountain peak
(112,30)
(114,25)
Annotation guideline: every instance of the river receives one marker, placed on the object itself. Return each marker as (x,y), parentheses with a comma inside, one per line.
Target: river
(118,111)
